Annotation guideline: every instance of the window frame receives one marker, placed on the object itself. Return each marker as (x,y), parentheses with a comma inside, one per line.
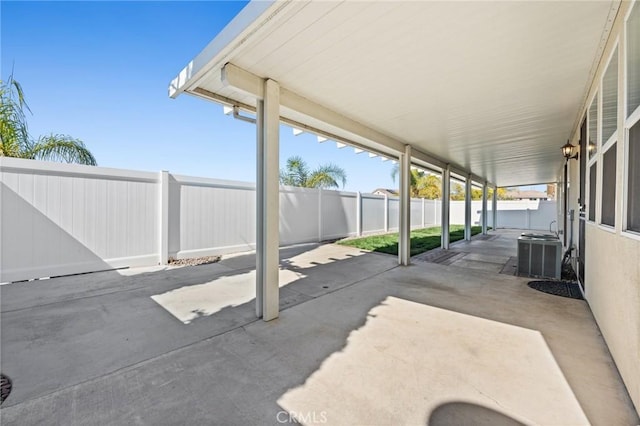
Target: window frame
(603,142)
(629,120)
(605,146)
(611,144)
(591,160)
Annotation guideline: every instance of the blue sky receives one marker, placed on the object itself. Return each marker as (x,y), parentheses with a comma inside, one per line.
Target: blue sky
(99,71)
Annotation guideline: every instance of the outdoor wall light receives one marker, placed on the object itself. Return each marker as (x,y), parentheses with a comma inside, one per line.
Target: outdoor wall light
(567,151)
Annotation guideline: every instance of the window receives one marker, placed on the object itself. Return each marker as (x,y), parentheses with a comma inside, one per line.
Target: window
(632,161)
(633,60)
(592,148)
(608,216)
(593,127)
(610,99)
(609,137)
(633,182)
(592,191)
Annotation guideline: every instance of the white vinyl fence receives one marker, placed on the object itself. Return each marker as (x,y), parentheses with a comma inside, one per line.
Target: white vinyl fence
(58,219)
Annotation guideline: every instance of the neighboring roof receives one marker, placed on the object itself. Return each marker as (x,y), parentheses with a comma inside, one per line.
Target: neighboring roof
(529,195)
(385,191)
(492,88)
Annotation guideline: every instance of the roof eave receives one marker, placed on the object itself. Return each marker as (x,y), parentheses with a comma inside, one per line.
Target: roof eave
(245,23)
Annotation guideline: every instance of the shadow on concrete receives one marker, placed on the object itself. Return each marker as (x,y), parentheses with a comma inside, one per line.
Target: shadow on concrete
(63,331)
(465,413)
(96,349)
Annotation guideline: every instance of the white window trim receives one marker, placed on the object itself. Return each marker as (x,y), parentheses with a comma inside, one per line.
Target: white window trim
(616,48)
(608,228)
(591,160)
(597,100)
(628,123)
(624,68)
(613,139)
(604,146)
(588,191)
(633,118)
(625,230)
(609,145)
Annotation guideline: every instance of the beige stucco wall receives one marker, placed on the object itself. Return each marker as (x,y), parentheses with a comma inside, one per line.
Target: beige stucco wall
(612,268)
(612,257)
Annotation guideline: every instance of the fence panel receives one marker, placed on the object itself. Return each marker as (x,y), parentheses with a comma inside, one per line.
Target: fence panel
(339,211)
(216,217)
(394,214)
(541,217)
(431,214)
(60,219)
(416,213)
(299,215)
(372,213)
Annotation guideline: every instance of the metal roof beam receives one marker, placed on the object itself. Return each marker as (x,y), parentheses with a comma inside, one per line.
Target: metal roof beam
(245,81)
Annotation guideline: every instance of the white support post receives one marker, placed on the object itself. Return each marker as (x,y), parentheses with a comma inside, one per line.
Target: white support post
(268,203)
(164,219)
(386,213)
(259,205)
(446,203)
(423,213)
(319,215)
(494,208)
(404,240)
(484,208)
(358,214)
(467,209)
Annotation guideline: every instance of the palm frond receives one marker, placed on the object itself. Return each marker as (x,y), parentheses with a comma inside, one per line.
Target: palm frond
(14,135)
(61,148)
(327,176)
(394,171)
(296,172)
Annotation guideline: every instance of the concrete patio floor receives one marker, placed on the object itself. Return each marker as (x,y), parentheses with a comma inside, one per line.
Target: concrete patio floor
(359,341)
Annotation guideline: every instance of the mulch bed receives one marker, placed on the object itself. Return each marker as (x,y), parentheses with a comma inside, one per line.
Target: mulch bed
(194,261)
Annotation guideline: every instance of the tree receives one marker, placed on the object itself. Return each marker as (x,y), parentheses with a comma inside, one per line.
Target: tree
(430,187)
(422,185)
(502,194)
(416,177)
(15,140)
(551,191)
(297,173)
(458,192)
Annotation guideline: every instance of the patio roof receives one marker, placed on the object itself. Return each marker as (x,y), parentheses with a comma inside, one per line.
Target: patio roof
(493,89)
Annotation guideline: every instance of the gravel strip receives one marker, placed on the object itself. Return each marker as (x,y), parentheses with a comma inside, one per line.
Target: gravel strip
(194,261)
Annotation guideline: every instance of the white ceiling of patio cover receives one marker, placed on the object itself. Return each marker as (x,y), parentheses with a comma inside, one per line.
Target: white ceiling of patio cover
(492,87)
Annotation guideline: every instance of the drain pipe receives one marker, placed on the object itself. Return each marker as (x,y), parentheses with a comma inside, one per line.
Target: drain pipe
(237,116)
(571,215)
(566,259)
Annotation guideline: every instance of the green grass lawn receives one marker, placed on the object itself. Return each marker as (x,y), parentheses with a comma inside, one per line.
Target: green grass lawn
(421,240)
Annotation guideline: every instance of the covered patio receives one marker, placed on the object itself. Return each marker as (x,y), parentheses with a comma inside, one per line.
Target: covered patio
(359,341)
(484,92)
(429,84)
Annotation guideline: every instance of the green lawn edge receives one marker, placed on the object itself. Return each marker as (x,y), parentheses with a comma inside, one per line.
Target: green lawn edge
(422,240)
